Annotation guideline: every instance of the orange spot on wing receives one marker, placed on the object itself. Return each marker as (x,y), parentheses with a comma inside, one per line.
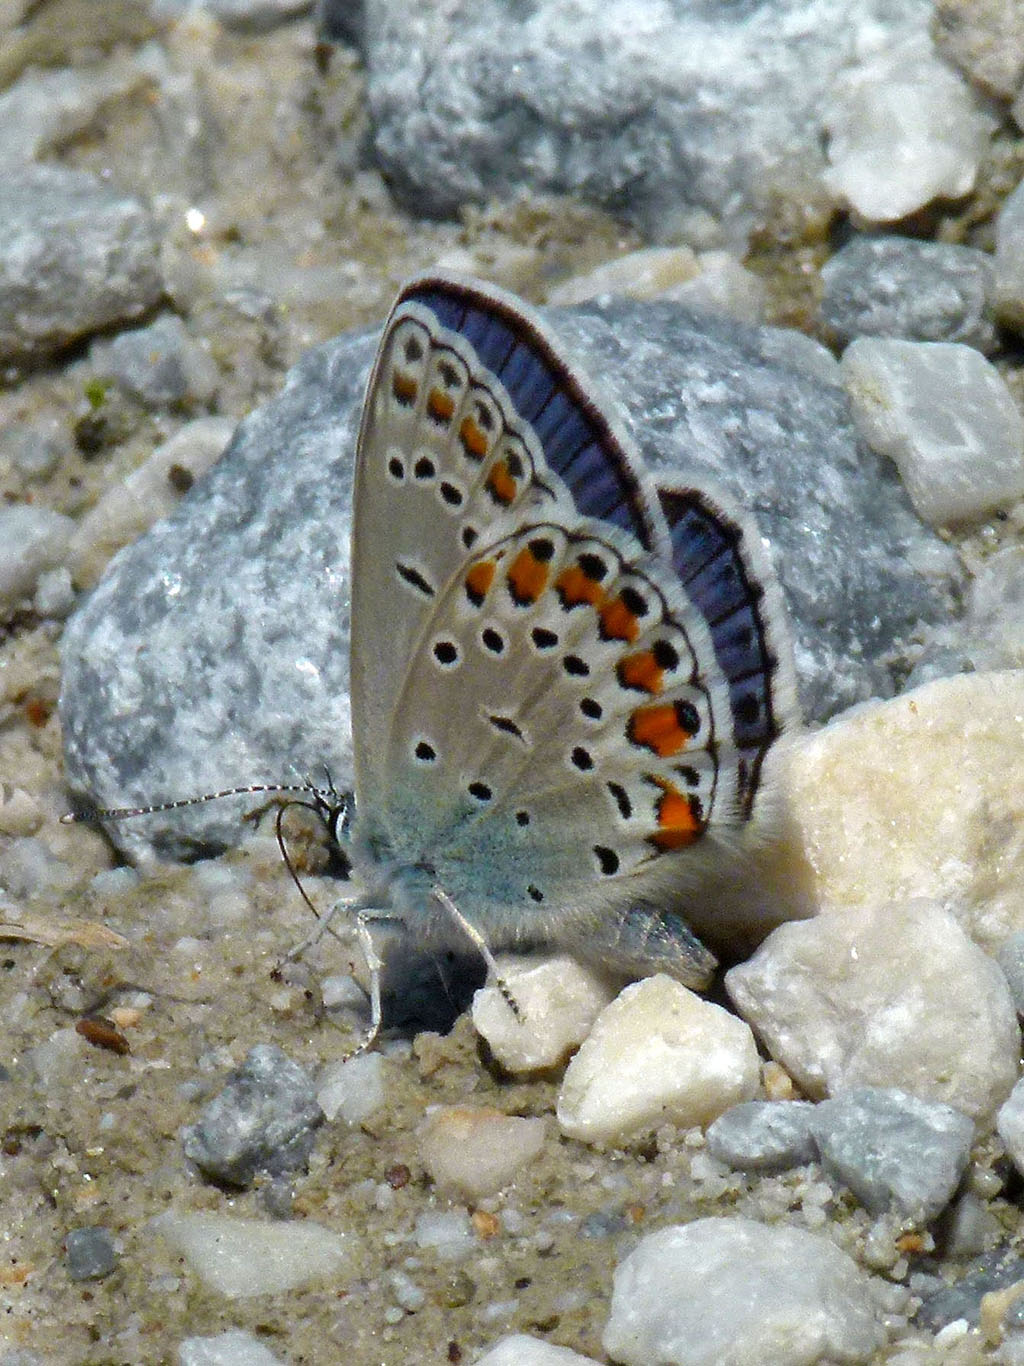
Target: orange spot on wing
(658,728)
(404,388)
(527,576)
(473,438)
(576,587)
(500,483)
(618,622)
(479,580)
(679,821)
(440,405)
(641,671)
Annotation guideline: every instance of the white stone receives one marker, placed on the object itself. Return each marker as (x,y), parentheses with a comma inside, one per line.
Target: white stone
(476,1152)
(233,1348)
(558,998)
(1010,1125)
(242,1257)
(19,813)
(447,1233)
(904,129)
(891,995)
(921,795)
(943,413)
(639,275)
(657,1054)
(32,540)
(351,1090)
(131,507)
(1009,260)
(521,1350)
(734,1291)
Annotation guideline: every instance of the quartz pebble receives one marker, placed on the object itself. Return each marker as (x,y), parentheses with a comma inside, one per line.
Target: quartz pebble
(893,1150)
(639,275)
(943,413)
(900,287)
(866,817)
(1010,957)
(903,129)
(475,1152)
(265,1119)
(893,995)
(351,1090)
(731,1289)
(243,1257)
(447,1233)
(658,1053)
(558,998)
(233,1348)
(1010,1125)
(521,1350)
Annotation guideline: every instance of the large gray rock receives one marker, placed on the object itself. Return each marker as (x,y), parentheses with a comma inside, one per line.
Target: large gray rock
(215,650)
(75,256)
(671,115)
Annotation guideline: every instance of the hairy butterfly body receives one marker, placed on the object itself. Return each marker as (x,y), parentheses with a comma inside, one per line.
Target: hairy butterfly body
(565,680)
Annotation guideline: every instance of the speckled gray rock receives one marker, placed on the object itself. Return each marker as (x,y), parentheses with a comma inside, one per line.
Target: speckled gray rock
(894,1150)
(899,287)
(76,255)
(673,115)
(764,1136)
(265,1119)
(215,651)
(90,1253)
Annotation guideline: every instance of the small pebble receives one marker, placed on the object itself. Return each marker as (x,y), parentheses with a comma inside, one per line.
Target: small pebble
(233,1348)
(475,1152)
(353,1089)
(90,1253)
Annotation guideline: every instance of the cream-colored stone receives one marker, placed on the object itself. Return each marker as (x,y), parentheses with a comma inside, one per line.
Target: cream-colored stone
(922,795)
(657,1054)
(639,275)
(476,1152)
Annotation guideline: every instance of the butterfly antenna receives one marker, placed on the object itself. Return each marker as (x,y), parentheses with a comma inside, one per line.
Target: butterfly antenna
(327,800)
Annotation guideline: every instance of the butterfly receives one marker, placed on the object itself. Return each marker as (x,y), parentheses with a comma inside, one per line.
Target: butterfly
(565,678)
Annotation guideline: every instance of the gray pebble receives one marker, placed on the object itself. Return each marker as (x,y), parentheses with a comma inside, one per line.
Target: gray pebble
(764,1136)
(76,255)
(994,1271)
(265,1119)
(160,365)
(90,1253)
(1010,957)
(919,291)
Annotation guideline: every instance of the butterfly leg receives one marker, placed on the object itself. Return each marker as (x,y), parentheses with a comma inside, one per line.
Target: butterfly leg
(479,943)
(643,941)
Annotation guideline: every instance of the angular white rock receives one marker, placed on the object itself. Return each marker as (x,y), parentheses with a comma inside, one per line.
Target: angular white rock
(733,1290)
(240,1257)
(351,1090)
(638,275)
(904,130)
(884,996)
(521,1350)
(476,1152)
(148,493)
(558,998)
(32,540)
(922,795)
(723,286)
(943,413)
(657,1054)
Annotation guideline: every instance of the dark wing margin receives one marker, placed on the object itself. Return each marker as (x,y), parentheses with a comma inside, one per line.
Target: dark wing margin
(721,564)
(577,438)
